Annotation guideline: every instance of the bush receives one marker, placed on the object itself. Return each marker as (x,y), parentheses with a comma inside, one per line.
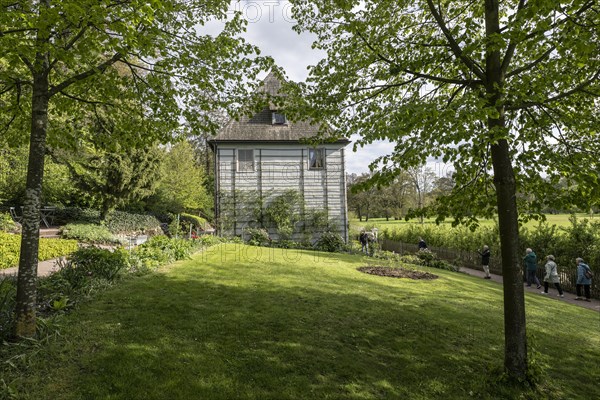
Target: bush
(8,295)
(331,242)
(84,272)
(7,224)
(257,236)
(88,233)
(430,259)
(209,240)
(120,222)
(173,249)
(102,263)
(195,220)
(75,214)
(10,246)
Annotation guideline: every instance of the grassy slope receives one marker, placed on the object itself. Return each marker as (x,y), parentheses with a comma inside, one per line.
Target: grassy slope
(254,323)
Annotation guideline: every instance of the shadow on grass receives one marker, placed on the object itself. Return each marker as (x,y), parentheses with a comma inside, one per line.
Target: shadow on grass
(257,330)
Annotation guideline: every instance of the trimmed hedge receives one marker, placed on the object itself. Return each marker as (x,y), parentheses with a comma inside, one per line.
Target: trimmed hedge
(581,238)
(10,246)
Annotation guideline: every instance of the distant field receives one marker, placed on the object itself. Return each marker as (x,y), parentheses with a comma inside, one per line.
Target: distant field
(380,223)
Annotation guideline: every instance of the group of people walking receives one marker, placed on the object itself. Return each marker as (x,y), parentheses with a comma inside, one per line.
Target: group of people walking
(584,273)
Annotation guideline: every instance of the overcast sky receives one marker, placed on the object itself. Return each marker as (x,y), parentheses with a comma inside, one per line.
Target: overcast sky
(270,28)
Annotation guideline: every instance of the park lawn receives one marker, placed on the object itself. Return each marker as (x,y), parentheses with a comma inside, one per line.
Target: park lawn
(240,322)
(560,220)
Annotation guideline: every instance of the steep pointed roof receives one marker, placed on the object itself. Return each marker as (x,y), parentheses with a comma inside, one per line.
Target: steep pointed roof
(260,128)
(271,84)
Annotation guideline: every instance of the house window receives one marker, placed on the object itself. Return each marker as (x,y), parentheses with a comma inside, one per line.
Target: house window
(245,160)
(316,158)
(279,119)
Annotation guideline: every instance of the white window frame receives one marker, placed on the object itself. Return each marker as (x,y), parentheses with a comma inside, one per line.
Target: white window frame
(274,119)
(320,153)
(245,165)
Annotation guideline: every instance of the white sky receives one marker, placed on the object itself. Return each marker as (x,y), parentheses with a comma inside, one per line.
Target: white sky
(270,28)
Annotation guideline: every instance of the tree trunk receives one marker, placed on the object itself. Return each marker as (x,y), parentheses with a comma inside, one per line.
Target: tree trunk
(515,337)
(30,238)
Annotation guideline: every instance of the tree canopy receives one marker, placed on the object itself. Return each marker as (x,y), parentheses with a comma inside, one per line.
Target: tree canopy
(69,65)
(505,91)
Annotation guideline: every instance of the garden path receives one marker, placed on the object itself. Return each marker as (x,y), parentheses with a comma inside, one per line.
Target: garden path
(569,297)
(45,268)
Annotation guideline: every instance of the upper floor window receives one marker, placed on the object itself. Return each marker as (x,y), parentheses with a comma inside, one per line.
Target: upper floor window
(279,119)
(245,160)
(316,158)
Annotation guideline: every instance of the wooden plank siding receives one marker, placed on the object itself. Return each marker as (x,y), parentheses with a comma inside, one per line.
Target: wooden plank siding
(278,168)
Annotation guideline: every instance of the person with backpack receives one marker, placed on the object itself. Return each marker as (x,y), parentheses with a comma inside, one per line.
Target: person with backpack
(552,276)
(584,279)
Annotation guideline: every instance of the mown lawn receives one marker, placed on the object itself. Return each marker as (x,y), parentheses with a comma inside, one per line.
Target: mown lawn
(240,322)
(560,220)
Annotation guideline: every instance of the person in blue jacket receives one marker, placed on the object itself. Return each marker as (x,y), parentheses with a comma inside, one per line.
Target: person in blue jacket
(582,280)
(530,260)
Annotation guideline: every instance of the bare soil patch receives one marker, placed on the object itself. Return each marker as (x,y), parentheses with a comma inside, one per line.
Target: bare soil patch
(397,272)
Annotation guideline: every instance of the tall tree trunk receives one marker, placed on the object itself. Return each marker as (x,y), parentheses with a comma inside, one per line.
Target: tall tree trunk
(515,337)
(28,261)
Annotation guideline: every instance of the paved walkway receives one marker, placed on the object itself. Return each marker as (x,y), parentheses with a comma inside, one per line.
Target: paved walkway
(552,292)
(45,268)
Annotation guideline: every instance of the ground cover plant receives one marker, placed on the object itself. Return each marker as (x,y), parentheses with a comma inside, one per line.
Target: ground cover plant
(49,248)
(90,233)
(250,322)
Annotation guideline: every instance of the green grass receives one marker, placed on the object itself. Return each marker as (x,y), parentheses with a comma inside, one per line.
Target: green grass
(559,220)
(239,322)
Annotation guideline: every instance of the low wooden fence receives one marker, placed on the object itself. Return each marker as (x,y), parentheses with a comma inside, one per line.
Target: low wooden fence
(471,259)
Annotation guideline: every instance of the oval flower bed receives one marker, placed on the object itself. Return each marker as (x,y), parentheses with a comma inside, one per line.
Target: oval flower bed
(397,272)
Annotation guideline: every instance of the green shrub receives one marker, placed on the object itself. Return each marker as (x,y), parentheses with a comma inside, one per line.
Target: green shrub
(430,259)
(86,271)
(8,295)
(102,263)
(49,248)
(195,220)
(209,240)
(65,215)
(7,224)
(143,260)
(89,234)
(257,236)
(120,222)
(174,249)
(331,242)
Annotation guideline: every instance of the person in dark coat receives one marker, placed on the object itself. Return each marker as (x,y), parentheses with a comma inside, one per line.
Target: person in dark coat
(364,241)
(583,281)
(530,260)
(422,244)
(485,261)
